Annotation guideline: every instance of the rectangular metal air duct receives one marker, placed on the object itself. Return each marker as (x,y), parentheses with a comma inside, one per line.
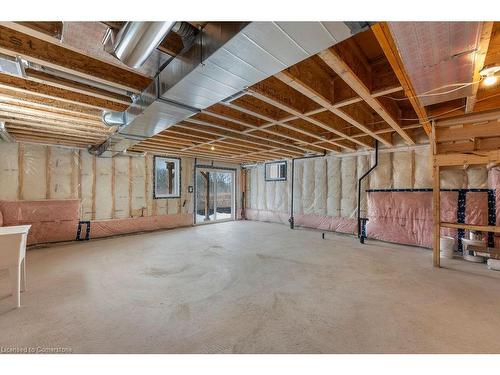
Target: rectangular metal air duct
(226,58)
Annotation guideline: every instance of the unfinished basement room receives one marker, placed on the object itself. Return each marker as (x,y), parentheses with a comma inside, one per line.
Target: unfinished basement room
(249,187)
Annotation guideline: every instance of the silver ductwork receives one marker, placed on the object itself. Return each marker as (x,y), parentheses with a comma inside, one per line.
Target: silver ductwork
(136,41)
(224,59)
(4,134)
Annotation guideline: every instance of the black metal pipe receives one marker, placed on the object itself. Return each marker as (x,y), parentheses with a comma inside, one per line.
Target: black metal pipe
(291,219)
(359,186)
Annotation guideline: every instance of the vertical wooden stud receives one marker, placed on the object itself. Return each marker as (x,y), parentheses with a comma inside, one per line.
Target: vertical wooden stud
(20,167)
(48,172)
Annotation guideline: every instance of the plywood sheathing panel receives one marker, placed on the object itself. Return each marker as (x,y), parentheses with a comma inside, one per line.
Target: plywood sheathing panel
(9,171)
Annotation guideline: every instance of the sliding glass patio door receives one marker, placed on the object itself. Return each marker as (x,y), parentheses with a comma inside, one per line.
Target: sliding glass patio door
(214,199)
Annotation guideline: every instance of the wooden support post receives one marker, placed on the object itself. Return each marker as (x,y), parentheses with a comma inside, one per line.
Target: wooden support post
(48,173)
(436,203)
(436,216)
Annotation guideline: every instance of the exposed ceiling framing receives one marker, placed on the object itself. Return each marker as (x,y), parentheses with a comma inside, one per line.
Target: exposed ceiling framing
(340,100)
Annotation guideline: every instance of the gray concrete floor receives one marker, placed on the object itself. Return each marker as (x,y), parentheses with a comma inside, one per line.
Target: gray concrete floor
(250,287)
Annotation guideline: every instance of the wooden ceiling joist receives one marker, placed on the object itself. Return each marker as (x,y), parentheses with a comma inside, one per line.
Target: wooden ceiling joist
(67,84)
(254,128)
(50,104)
(52,29)
(296,113)
(52,92)
(308,91)
(55,55)
(339,66)
(262,141)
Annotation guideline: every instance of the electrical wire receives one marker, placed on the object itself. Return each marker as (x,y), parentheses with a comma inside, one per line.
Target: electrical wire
(431,92)
(430,118)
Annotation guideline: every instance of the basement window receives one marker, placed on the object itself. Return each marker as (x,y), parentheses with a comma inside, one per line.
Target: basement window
(275,171)
(167,182)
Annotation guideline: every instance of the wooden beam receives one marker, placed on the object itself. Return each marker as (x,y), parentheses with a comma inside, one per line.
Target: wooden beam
(467,131)
(28,99)
(475,158)
(385,39)
(221,131)
(46,53)
(295,112)
(40,89)
(67,84)
(308,91)
(479,58)
(52,29)
(339,66)
(255,128)
(481,228)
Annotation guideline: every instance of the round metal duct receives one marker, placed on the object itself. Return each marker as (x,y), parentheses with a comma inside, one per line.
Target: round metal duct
(136,41)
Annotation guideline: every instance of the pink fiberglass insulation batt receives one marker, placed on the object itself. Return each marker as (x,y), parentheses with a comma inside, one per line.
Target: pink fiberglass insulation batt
(406,217)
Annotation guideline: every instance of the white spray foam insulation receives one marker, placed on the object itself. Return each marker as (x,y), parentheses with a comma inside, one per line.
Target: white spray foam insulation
(9,171)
